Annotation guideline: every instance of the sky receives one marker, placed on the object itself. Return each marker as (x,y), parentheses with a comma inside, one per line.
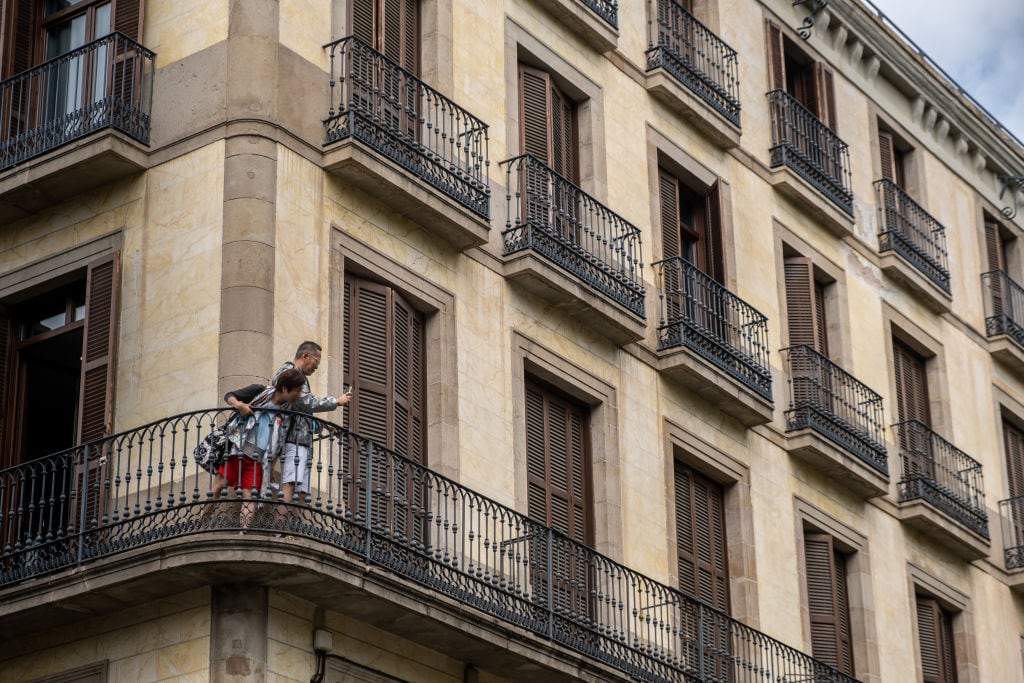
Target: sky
(980,43)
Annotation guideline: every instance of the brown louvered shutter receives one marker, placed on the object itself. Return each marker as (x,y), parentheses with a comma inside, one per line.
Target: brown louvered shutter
(96,400)
(887,155)
(563,136)
(776,57)
(827,603)
(825,95)
(935,641)
(128,18)
(1013,440)
(6,361)
(701,553)
(668,195)
(911,384)
(711,234)
(557,467)
(534,90)
(996,256)
(18,56)
(361,21)
(805,306)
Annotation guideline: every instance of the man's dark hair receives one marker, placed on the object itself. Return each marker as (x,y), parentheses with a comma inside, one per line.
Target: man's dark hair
(309,347)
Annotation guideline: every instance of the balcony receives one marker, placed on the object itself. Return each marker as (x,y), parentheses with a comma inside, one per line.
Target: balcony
(834,422)
(713,342)
(1004,318)
(910,232)
(693,71)
(133,509)
(564,246)
(407,145)
(98,96)
(595,21)
(941,484)
(1011,518)
(816,156)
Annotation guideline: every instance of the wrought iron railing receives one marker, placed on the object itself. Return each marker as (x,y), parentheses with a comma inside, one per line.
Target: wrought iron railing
(701,314)
(832,402)
(606,9)
(939,473)
(810,148)
(911,232)
(555,218)
(107,83)
(377,102)
(1004,306)
(142,487)
(1011,516)
(695,57)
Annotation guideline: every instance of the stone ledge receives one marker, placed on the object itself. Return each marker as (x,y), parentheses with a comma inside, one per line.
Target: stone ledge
(690,369)
(930,521)
(667,89)
(811,200)
(834,461)
(900,270)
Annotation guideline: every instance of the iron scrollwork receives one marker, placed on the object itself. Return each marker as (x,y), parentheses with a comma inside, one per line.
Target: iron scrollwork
(815,6)
(1015,184)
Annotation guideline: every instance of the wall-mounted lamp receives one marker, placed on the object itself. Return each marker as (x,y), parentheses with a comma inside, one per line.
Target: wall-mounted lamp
(323,641)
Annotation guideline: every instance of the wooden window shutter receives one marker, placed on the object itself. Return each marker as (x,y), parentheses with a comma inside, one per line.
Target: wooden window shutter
(399,37)
(827,603)
(911,384)
(935,641)
(994,247)
(564,159)
(701,554)
(825,95)
(384,362)
(6,361)
(128,18)
(776,57)
(534,91)
(557,467)
(887,155)
(362,21)
(19,29)
(804,305)
(668,195)
(96,398)
(1013,440)
(711,234)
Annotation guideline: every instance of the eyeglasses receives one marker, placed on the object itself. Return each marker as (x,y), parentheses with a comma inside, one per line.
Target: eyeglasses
(315,359)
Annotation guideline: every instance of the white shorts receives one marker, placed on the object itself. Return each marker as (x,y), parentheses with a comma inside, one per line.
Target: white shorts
(295,466)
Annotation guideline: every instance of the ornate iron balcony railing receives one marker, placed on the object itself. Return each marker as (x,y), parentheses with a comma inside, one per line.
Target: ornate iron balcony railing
(555,218)
(606,9)
(911,232)
(809,147)
(1011,516)
(1004,306)
(695,57)
(704,316)
(141,487)
(832,402)
(377,102)
(939,473)
(107,83)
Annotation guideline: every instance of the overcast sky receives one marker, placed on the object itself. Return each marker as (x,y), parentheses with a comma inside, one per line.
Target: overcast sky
(980,43)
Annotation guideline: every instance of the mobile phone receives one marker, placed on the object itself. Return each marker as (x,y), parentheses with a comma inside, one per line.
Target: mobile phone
(346,388)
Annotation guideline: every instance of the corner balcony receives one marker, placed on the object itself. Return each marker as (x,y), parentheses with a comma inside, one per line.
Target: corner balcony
(380,538)
(407,145)
(74,123)
(1011,518)
(812,160)
(910,233)
(693,72)
(567,248)
(834,422)
(941,491)
(713,342)
(1004,318)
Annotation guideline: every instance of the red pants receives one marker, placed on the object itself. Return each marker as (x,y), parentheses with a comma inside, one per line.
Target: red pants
(242,472)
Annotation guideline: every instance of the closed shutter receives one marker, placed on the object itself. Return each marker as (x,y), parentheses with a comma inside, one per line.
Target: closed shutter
(996,257)
(887,155)
(711,235)
(668,195)
(935,641)
(18,55)
(1013,440)
(547,120)
(825,96)
(911,384)
(700,537)
(776,57)
(6,361)
(128,17)
(389,26)
(827,603)
(805,305)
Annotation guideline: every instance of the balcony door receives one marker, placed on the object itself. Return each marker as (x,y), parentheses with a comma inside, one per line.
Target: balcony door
(811,376)
(912,403)
(77,82)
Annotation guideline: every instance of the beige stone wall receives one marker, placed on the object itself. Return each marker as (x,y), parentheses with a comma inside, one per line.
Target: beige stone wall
(164,640)
(175,30)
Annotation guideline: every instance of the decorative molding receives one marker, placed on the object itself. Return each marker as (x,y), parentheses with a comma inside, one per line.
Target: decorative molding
(815,8)
(1015,184)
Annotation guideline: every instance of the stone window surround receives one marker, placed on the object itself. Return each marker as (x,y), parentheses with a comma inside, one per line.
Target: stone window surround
(1008,410)
(913,168)
(662,152)
(853,544)
(521,46)
(958,603)
(734,475)
(931,350)
(23,282)
(440,347)
(531,358)
(837,311)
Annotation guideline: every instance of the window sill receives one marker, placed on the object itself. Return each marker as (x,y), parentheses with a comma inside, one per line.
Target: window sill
(67,171)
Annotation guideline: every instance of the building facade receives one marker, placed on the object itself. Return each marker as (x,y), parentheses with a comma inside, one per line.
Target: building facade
(685,336)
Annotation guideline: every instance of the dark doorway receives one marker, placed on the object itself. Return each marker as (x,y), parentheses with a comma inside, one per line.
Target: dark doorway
(49,375)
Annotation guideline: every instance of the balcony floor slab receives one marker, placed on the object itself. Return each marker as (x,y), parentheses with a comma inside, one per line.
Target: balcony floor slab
(924,517)
(682,365)
(847,469)
(668,90)
(900,270)
(791,185)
